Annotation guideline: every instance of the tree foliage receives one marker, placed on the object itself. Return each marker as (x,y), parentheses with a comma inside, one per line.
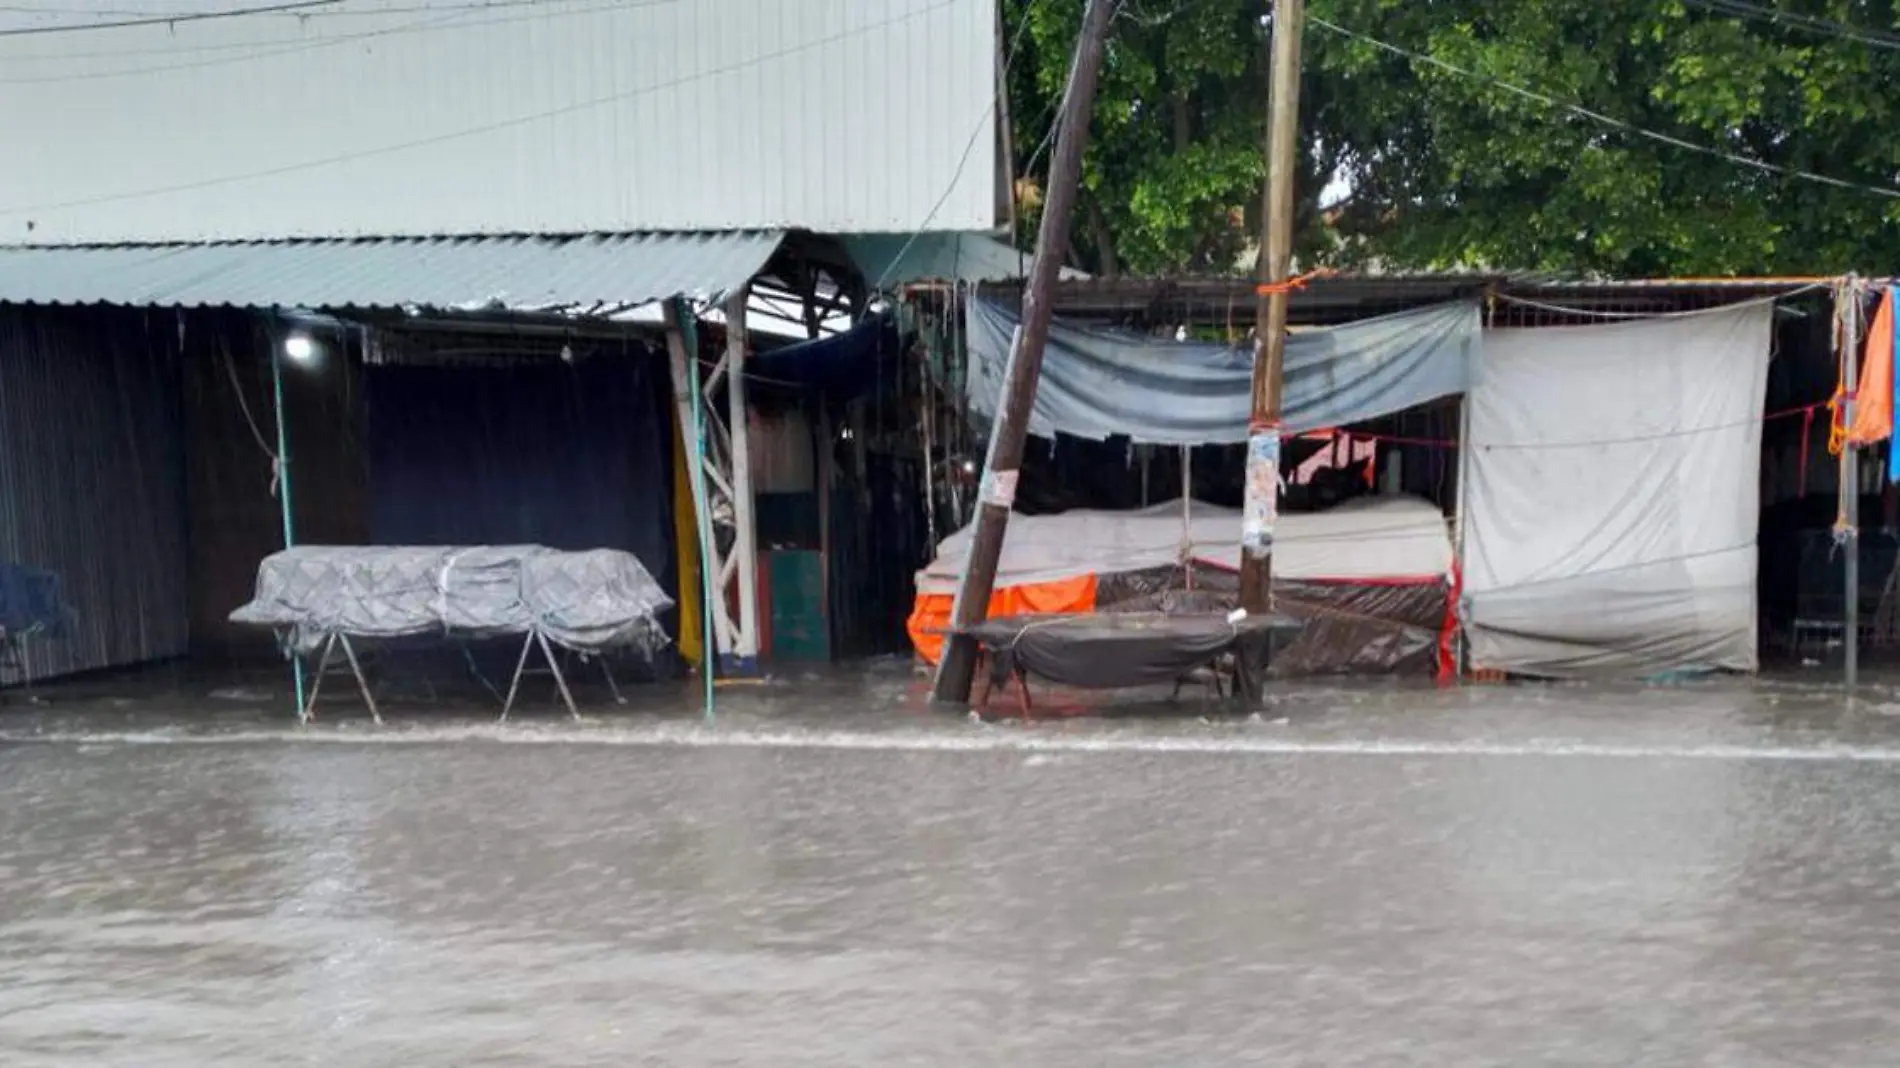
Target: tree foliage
(1431,167)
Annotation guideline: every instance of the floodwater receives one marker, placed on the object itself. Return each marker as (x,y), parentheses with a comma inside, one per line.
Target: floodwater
(1687,875)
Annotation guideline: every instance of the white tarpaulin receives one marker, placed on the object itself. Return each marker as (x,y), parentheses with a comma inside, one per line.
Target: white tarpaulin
(1613,498)
(1368,538)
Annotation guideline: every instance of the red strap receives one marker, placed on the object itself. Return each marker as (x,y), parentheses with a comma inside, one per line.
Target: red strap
(1807,431)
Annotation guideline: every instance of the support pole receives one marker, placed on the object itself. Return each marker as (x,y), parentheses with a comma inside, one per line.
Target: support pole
(682,338)
(998,490)
(282,480)
(745,652)
(1847,303)
(827,464)
(1187,514)
(1262,495)
(1461,517)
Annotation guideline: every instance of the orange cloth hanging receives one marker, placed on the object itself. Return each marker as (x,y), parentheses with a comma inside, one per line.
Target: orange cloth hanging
(1873,397)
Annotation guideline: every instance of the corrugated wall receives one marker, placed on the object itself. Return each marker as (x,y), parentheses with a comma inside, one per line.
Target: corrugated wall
(92,482)
(384,117)
(234,521)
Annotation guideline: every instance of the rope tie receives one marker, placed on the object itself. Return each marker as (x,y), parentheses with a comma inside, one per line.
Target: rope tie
(1298,281)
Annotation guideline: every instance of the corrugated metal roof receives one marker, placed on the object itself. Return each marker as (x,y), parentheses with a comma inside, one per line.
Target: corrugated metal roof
(938,257)
(464,272)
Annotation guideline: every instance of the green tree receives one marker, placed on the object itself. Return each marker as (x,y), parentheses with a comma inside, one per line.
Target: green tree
(1174,164)
(1435,167)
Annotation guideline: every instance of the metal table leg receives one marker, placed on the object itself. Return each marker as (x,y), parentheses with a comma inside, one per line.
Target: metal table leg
(308,711)
(559,679)
(361,682)
(613,687)
(514,684)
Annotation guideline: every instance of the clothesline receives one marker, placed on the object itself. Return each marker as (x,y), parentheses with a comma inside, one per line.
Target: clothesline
(1806,410)
(1593,313)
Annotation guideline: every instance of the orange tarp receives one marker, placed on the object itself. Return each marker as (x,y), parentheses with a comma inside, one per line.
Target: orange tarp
(930,613)
(1873,397)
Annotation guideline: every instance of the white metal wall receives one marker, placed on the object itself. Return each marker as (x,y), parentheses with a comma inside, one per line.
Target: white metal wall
(386,117)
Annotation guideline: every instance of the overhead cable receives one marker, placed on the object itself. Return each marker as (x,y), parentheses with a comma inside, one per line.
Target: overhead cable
(166,19)
(1815,24)
(456,18)
(956,176)
(175,49)
(1599,117)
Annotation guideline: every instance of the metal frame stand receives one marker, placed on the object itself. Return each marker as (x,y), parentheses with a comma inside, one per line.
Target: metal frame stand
(613,686)
(13,655)
(308,710)
(726,489)
(535,637)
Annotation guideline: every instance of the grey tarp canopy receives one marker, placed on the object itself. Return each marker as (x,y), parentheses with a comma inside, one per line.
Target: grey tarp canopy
(1098,382)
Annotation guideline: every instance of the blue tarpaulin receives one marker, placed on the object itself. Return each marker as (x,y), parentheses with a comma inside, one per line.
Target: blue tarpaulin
(1098,382)
(843,365)
(31,602)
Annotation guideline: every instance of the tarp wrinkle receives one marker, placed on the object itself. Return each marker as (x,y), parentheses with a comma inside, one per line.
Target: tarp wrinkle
(1612,496)
(1098,382)
(1368,538)
(586,601)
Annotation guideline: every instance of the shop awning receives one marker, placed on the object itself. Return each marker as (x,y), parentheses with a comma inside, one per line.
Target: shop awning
(900,259)
(449,273)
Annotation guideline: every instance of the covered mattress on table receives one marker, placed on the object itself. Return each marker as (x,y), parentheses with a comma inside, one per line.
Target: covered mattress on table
(1119,650)
(590,600)
(1373,580)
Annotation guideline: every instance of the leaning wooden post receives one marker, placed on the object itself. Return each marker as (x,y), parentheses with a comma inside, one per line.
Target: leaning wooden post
(998,490)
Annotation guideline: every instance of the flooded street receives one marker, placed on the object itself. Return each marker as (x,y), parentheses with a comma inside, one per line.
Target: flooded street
(1686,875)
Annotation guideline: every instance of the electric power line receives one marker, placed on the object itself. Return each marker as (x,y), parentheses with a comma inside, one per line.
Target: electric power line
(173,50)
(165,20)
(252,52)
(339,9)
(504,124)
(1599,117)
(1002,86)
(255,50)
(1815,24)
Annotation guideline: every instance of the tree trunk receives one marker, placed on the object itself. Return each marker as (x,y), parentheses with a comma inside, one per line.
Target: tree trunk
(1104,241)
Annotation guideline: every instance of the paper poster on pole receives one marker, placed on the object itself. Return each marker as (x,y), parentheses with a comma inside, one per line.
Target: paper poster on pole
(1261,506)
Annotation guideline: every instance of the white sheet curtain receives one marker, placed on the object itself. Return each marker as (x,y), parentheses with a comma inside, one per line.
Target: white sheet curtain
(1612,496)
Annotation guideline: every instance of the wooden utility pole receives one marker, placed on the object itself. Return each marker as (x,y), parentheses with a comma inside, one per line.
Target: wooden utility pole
(1262,496)
(998,490)
(1847,302)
